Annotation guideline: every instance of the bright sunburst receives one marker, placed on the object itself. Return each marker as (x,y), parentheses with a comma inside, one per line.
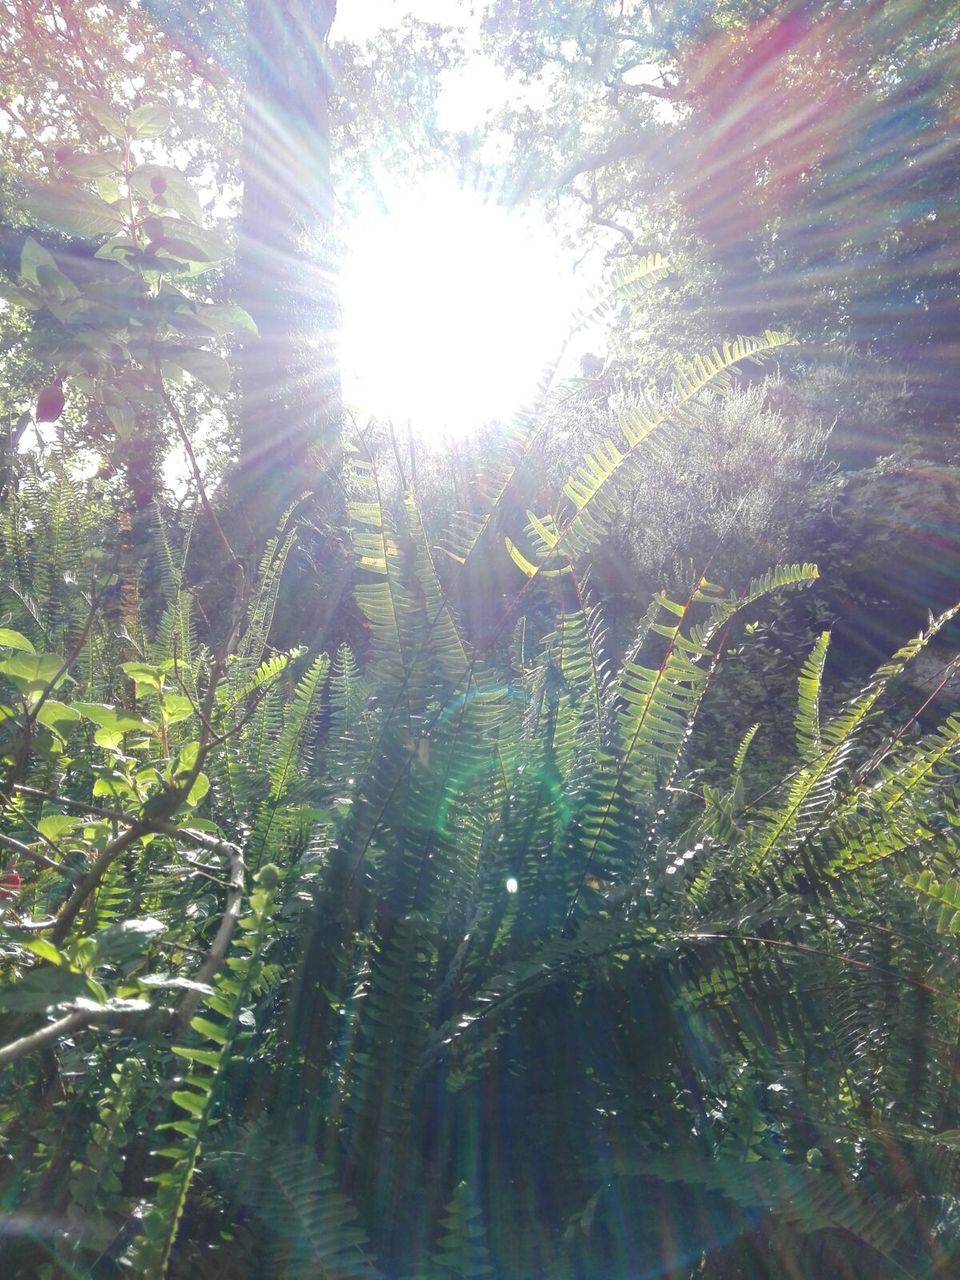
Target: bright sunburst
(452,308)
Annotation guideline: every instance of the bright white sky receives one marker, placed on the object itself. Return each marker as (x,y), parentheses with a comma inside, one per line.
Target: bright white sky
(452,309)
(453,305)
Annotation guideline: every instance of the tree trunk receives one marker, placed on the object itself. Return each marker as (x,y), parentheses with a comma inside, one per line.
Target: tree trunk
(289,379)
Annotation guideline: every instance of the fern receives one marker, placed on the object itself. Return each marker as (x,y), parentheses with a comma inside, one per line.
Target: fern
(808,702)
(218,1030)
(462,1252)
(590,491)
(95,1187)
(811,1200)
(312,1227)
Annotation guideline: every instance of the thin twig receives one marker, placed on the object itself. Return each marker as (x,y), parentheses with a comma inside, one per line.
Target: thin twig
(24,851)
(199,839)
(221,942)
(197,474)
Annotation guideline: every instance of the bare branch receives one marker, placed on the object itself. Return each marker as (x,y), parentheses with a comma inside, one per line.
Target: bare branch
(198,475)
(65,1026)
(24,851)
(221,942)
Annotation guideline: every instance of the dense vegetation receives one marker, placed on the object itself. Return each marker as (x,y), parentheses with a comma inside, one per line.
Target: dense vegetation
(478,865)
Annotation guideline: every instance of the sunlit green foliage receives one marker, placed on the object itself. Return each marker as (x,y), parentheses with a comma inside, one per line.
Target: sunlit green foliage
(442,955)
(492,903)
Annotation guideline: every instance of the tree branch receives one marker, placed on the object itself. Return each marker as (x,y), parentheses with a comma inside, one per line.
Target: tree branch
(24,851)
(43,1036)
(221,942)
(198,475)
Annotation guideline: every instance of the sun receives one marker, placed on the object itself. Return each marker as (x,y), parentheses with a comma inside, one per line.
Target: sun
(452,306)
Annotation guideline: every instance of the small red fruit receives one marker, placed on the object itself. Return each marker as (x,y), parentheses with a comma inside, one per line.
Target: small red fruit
(158,184)
(50,401)
(63,154)
(10,883)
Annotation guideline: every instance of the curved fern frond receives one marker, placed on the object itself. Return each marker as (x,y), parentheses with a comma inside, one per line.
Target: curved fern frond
(311,1226)
(588,491)
(631,275)
(740,757)
(813,795)
(808,699)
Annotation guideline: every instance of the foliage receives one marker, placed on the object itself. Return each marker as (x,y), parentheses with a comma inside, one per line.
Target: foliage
(126,323)
(457,951)
(380,898)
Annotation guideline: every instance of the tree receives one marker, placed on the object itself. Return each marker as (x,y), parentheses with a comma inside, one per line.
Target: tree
(286,260)
(809,151)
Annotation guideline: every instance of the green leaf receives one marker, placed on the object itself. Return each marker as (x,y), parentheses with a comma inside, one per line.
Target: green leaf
(57,286)
(121,418)
(185,760)
(118,249)
(176,708)
(104,116)
(209,1057)
(176,193)
(10,639)
(110,718)
(56,825)
(206,366)
(223,319)
(32,672)
(520,560)
(148,122)
(43,987)
(19,297)
(96,165)
(61,205)
(144,675)
(122,942)
(204,1027)
(57,716)
(45,950)
(177,247)
(32,257)
(527,566)
(199,789)
(205,246)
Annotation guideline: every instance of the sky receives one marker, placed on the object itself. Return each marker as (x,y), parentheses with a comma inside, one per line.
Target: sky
(452,308)
(453,305)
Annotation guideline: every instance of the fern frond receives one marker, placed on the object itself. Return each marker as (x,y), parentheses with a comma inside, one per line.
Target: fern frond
(808,699)
(253,643)
(216,1030)
(294,742)
(462,1252)
(808,1199)
(312,1227)
(589,490)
